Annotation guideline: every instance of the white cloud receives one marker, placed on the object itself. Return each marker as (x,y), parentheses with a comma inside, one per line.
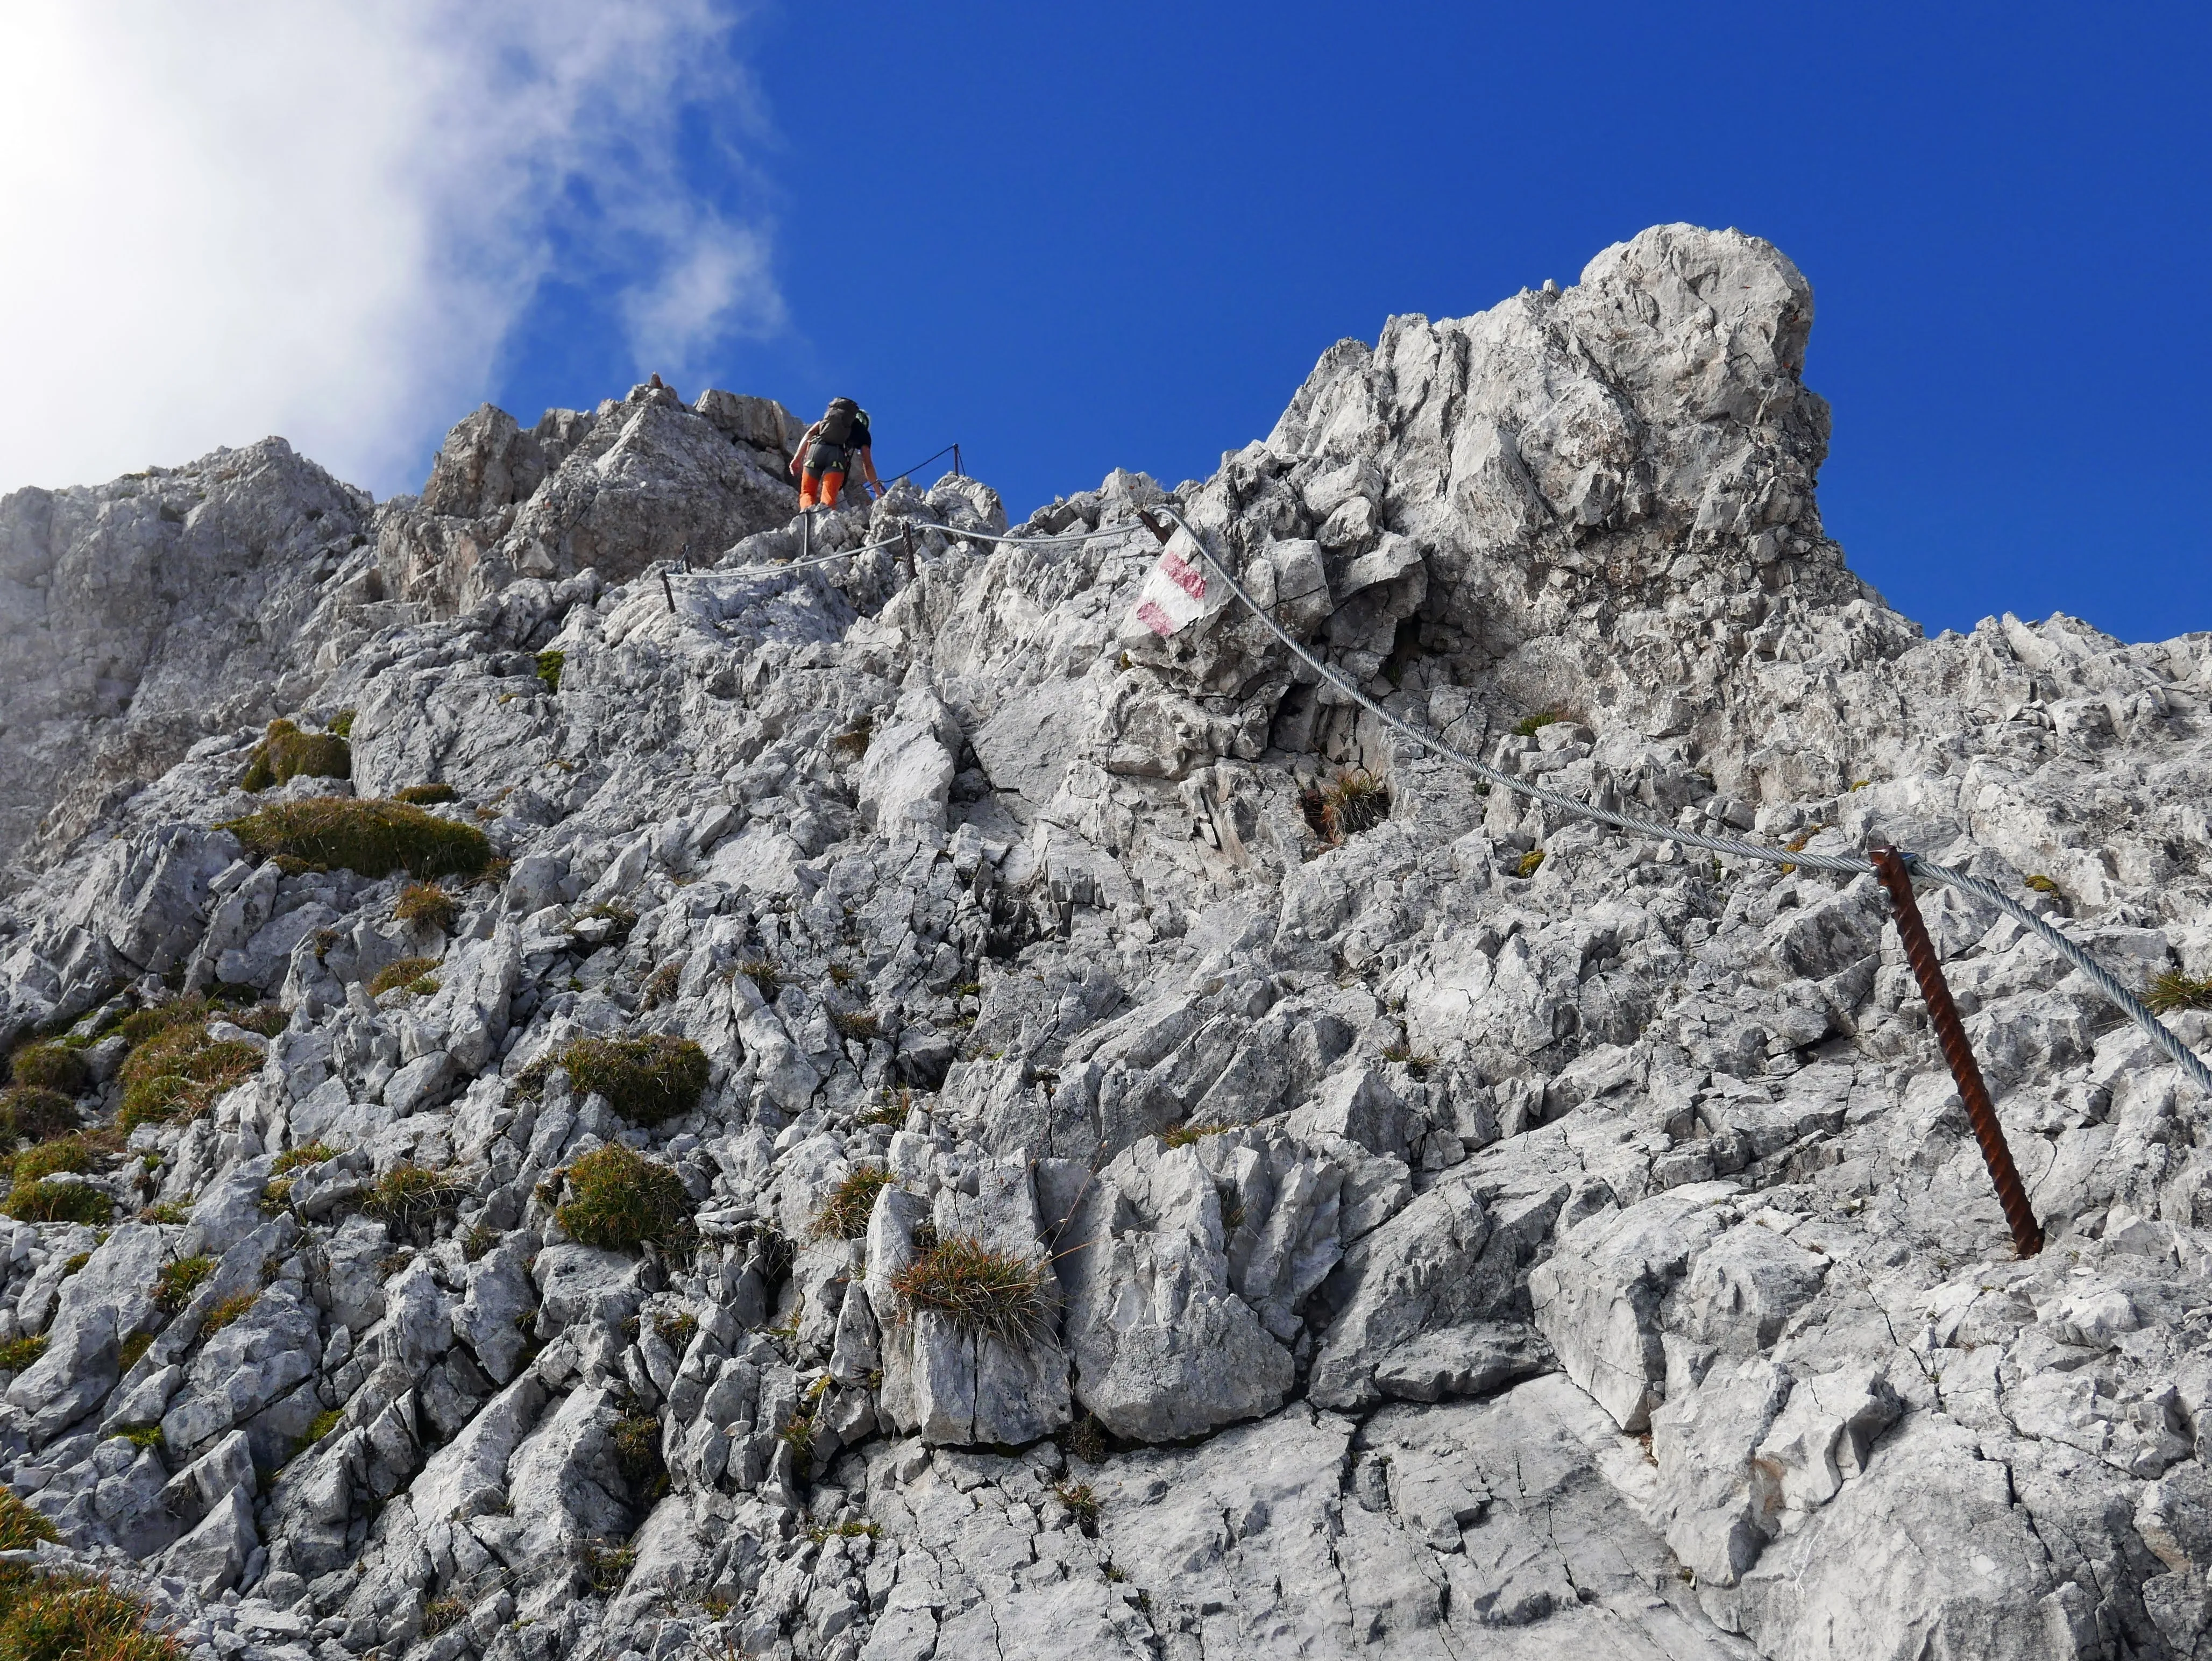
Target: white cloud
(240,217)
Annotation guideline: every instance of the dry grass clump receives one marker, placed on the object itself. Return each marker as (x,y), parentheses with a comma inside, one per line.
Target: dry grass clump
(70,1617)
(1082,1500)
(306,1154)
(286,754)
(636,1442)
(844,1216)
(765,976)
(21,1527)
(1528,863)
(660,986)
(620,1200)
(2174,991)
(374,838)
(443,1613)
(56,1200)
(50,1067)
(645,1079)
(990,1293)
(852,743)
(179,1278)
(1356,800)
(605,1568)
(29,1115)
(33,1164)
(228,1310)
(425,796)
(1183,1135)
(179,1071)
(409,1193)
(411,973)
(858,1025)
(427,902)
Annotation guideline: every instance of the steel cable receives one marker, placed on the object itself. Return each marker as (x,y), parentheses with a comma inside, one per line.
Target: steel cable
(1848,864)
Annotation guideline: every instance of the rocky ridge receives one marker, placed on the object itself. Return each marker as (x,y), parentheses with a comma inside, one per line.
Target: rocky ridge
(1423,1225)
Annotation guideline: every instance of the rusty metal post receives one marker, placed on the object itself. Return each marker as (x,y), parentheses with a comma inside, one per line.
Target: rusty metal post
(667,593)
(958,471)
(1951,1035)
(907,558)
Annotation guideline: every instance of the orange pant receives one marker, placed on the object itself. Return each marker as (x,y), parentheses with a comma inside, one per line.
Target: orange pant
(825,486)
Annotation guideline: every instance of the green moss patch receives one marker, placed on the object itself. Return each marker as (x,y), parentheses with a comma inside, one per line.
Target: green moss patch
(50,1067)
(645,1079)
(179,1071)
(620,1200)
(373,838)
(286,753)
(549,669)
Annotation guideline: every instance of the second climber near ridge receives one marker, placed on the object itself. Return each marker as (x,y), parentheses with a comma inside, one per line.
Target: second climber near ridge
(825,454)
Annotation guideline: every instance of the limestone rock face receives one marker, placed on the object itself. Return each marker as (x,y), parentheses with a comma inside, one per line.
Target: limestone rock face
(1176,1170)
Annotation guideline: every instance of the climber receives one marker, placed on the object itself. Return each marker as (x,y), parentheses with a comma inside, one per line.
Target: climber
(827,449)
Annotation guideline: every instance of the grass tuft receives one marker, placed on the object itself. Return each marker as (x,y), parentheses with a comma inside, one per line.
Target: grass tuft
(992,1293)
(54,1200)
(1082,1500)
(372,838)
(764,976)
(844,1216)
(230,1309)
(342,723)
(1527,864)
(2173,991)
(1402,1054)
(49,1158)
(409,972)
(549,669)
(145,1436)
(424,796)
(2040,884)
(636,1442)
(1529,725)
(53,1067)
(17,1353)
(33,1115)
(1183,1135)
(21,1527)
(427,902)
(285,753)
(620,1201)
(409,1193)
(296,1159)
(858,1025)
(661,985)
(179,1278)
(605,1568)
(645,1079)
(442,1615)
(179,1071)
(1353,802)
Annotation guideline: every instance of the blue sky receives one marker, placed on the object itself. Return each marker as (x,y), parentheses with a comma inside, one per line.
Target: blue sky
(1075,238)
(1079,238)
